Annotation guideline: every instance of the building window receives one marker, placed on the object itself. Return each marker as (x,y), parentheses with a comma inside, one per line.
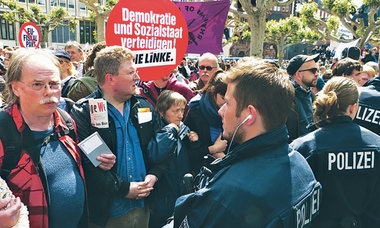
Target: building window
(54,2)
(23,1)
(32,1)
(41,2)
(82,6)
(62,3)
(86,29)
(62,34)
(7,30)
(71,4)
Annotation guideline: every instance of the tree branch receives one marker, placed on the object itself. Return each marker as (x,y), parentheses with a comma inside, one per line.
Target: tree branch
(240,14)
(284,3)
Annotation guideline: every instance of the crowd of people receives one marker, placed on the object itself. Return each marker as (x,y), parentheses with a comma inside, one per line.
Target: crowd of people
(213,143)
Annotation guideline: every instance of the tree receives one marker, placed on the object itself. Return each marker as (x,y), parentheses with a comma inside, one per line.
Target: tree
(99,14)
(287,32)
(340,11)
(256,13)
(45,23)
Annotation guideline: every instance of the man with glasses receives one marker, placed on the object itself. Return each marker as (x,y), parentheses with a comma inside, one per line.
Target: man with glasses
(44,167)
(303,71)
(117,197)
(207,65)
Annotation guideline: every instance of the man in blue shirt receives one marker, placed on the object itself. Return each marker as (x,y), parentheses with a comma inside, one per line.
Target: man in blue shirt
(126,124)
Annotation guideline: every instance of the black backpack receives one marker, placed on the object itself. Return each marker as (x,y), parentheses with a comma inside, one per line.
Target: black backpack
(10,138)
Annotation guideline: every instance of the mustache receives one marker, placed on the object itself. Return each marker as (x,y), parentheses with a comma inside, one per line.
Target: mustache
(48,100)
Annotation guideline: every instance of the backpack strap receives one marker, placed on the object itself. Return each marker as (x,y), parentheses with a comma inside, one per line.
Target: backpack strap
(69,123)
(10,138)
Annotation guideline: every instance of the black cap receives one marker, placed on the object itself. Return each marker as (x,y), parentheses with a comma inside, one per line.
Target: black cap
(296,62)
(62,54)
(351,52)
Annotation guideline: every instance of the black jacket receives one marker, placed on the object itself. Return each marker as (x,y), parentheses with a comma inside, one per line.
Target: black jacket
(102,186)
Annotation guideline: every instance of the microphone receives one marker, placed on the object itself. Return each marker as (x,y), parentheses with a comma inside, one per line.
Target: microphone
(233,136)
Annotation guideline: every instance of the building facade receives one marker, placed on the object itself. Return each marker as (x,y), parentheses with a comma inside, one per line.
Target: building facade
(58,37)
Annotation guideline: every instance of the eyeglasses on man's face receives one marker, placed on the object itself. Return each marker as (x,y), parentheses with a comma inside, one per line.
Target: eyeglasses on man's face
(209,68)
(62,61)
(38,86)
(312,70)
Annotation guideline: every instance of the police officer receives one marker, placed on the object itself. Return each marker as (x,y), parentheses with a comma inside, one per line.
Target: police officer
(345,159)
(261,182)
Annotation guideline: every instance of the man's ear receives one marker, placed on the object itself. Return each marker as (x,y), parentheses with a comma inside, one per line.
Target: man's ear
(253,112)
(108,78)
(16,89)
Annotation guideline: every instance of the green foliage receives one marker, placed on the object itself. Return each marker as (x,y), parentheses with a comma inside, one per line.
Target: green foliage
(332,24)
(339,7)
(309,13)
(110,3)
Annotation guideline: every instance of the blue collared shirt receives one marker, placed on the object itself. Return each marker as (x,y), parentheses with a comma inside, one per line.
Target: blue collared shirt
(129,160)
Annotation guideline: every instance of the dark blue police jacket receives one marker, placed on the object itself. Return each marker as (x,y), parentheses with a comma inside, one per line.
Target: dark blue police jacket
(261,183)
(345,159)
(368,114)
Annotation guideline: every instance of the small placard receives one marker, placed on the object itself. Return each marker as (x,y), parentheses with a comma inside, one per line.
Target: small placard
(93,146)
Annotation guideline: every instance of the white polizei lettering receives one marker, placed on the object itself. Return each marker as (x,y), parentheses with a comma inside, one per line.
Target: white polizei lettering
(332,159)
(358,113)
(373,160)
(354,160)
(367,159)
(347,166)
(371,111)
(375,117)
(340,162)
(364,112)
(360,165)
(315,202)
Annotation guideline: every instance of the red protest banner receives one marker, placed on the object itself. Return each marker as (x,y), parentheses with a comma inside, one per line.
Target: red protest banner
(154,30)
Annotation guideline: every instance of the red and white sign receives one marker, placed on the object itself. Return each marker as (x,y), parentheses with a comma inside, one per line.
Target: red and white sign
(29,35)
(155,31)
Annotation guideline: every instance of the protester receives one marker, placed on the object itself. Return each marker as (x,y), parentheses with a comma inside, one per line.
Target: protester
(76,53)
(67,74)
(47,170)
(84,86)
(348,67)
(171,144)
(303,71)
(366,74)
(203,118)
(207,65)
(343,156)
(116,197)
(261,182)
(184,69)
(152,89)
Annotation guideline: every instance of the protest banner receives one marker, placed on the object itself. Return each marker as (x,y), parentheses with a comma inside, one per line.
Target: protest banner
(154,30)
(205,22)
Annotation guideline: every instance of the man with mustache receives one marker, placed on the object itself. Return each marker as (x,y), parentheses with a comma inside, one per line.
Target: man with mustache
(48,178)
(208,64)
(303,71)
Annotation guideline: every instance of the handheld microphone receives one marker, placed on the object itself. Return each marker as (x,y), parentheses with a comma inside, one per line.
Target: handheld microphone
(233,136)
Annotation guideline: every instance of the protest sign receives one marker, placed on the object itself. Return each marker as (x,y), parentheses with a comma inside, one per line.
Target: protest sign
(29,35)
(154,30)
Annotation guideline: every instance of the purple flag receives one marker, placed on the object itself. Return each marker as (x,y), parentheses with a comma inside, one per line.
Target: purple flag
(205,22)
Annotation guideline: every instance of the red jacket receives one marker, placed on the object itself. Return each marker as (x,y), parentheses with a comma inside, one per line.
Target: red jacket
(24,180)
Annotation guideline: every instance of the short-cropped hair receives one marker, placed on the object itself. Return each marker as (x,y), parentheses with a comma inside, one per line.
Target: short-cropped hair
(108,61)
(346,66)
(168,98)
(266,87)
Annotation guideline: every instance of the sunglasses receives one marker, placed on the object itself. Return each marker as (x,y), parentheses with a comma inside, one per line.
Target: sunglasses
(209,68)
(312,70)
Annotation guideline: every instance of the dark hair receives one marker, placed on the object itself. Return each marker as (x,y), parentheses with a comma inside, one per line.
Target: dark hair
(266,87)
(90,59)
(220,86)
(166,99)
(337,94)
(346,66)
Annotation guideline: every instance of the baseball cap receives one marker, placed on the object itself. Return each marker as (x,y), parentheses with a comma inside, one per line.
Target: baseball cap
(296,62)
(62,54)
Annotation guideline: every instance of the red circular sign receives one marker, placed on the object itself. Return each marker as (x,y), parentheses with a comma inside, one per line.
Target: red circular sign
(154,30)
(29,35)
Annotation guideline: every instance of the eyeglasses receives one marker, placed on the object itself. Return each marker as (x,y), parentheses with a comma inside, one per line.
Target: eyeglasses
(131,74)
(312,70)
(38,86)
(209,68)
